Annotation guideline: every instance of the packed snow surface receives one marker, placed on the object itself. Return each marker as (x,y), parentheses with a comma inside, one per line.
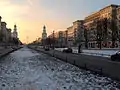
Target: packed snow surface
(26,69)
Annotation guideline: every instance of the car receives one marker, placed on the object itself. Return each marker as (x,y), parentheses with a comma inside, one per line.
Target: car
(116,57)
(68,50)
(46,48)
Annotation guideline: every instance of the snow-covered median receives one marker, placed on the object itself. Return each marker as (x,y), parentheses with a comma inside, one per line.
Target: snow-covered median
(26,69)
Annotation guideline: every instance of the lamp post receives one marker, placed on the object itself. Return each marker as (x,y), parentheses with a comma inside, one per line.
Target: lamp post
(119,39)
(53,39)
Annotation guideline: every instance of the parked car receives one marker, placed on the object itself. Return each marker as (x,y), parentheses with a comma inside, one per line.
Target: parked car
(116,57)
(47,48)
(68,50)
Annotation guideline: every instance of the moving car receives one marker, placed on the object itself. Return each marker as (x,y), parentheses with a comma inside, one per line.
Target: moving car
(116,57)
(68,50)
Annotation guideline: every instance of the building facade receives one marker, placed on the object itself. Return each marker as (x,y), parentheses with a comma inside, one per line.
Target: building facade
(75,34)
(100,29)
(118,24)
(6,36)
(70,36)
(9,35)
(4,32)
(78,28)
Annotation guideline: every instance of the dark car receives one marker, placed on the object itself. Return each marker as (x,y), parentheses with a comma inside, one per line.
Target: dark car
(68,50)
(116,57)
(47,48)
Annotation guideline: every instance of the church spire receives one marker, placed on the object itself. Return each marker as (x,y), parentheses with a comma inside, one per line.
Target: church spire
(44,34)
(15,34)
(15,28)
(44,29)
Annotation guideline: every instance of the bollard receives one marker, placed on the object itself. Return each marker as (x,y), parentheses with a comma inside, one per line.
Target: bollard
(85,66)
(66,58)
(74,63)
(101,71)
(53,53)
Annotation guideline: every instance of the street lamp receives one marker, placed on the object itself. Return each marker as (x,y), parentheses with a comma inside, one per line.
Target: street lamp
(53,39)
(119,38)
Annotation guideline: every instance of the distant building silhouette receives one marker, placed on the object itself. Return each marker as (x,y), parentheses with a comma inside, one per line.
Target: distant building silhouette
(6,36)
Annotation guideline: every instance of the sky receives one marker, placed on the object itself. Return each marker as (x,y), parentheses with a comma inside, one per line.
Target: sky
(31,15)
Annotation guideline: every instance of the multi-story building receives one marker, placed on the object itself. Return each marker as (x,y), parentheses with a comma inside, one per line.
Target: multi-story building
(53,39)
(6,37)
(70,36)
(65,38)
(53,35)
(118,24)
(75,34)
(65,35)
(78,28)
(61,38)
(9,35)
(4,31)
(104,18)
(101,29)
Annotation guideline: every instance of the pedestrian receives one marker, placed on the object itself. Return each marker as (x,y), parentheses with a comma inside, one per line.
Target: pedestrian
(79,48)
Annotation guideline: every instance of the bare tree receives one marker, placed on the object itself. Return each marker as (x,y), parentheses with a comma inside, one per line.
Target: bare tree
(99,33)
(105,30)
(0,37)
(86,37)
(113,27)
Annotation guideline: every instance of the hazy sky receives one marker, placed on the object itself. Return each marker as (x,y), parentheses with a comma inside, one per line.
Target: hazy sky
(31,15)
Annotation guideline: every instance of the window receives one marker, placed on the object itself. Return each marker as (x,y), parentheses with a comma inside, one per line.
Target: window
(109,32)
(89,44)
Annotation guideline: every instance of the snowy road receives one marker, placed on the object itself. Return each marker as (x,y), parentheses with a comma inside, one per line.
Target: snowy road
(26,69)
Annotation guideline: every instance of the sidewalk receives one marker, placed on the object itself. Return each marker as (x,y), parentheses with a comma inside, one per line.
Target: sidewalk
(4,51)
(94,52)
